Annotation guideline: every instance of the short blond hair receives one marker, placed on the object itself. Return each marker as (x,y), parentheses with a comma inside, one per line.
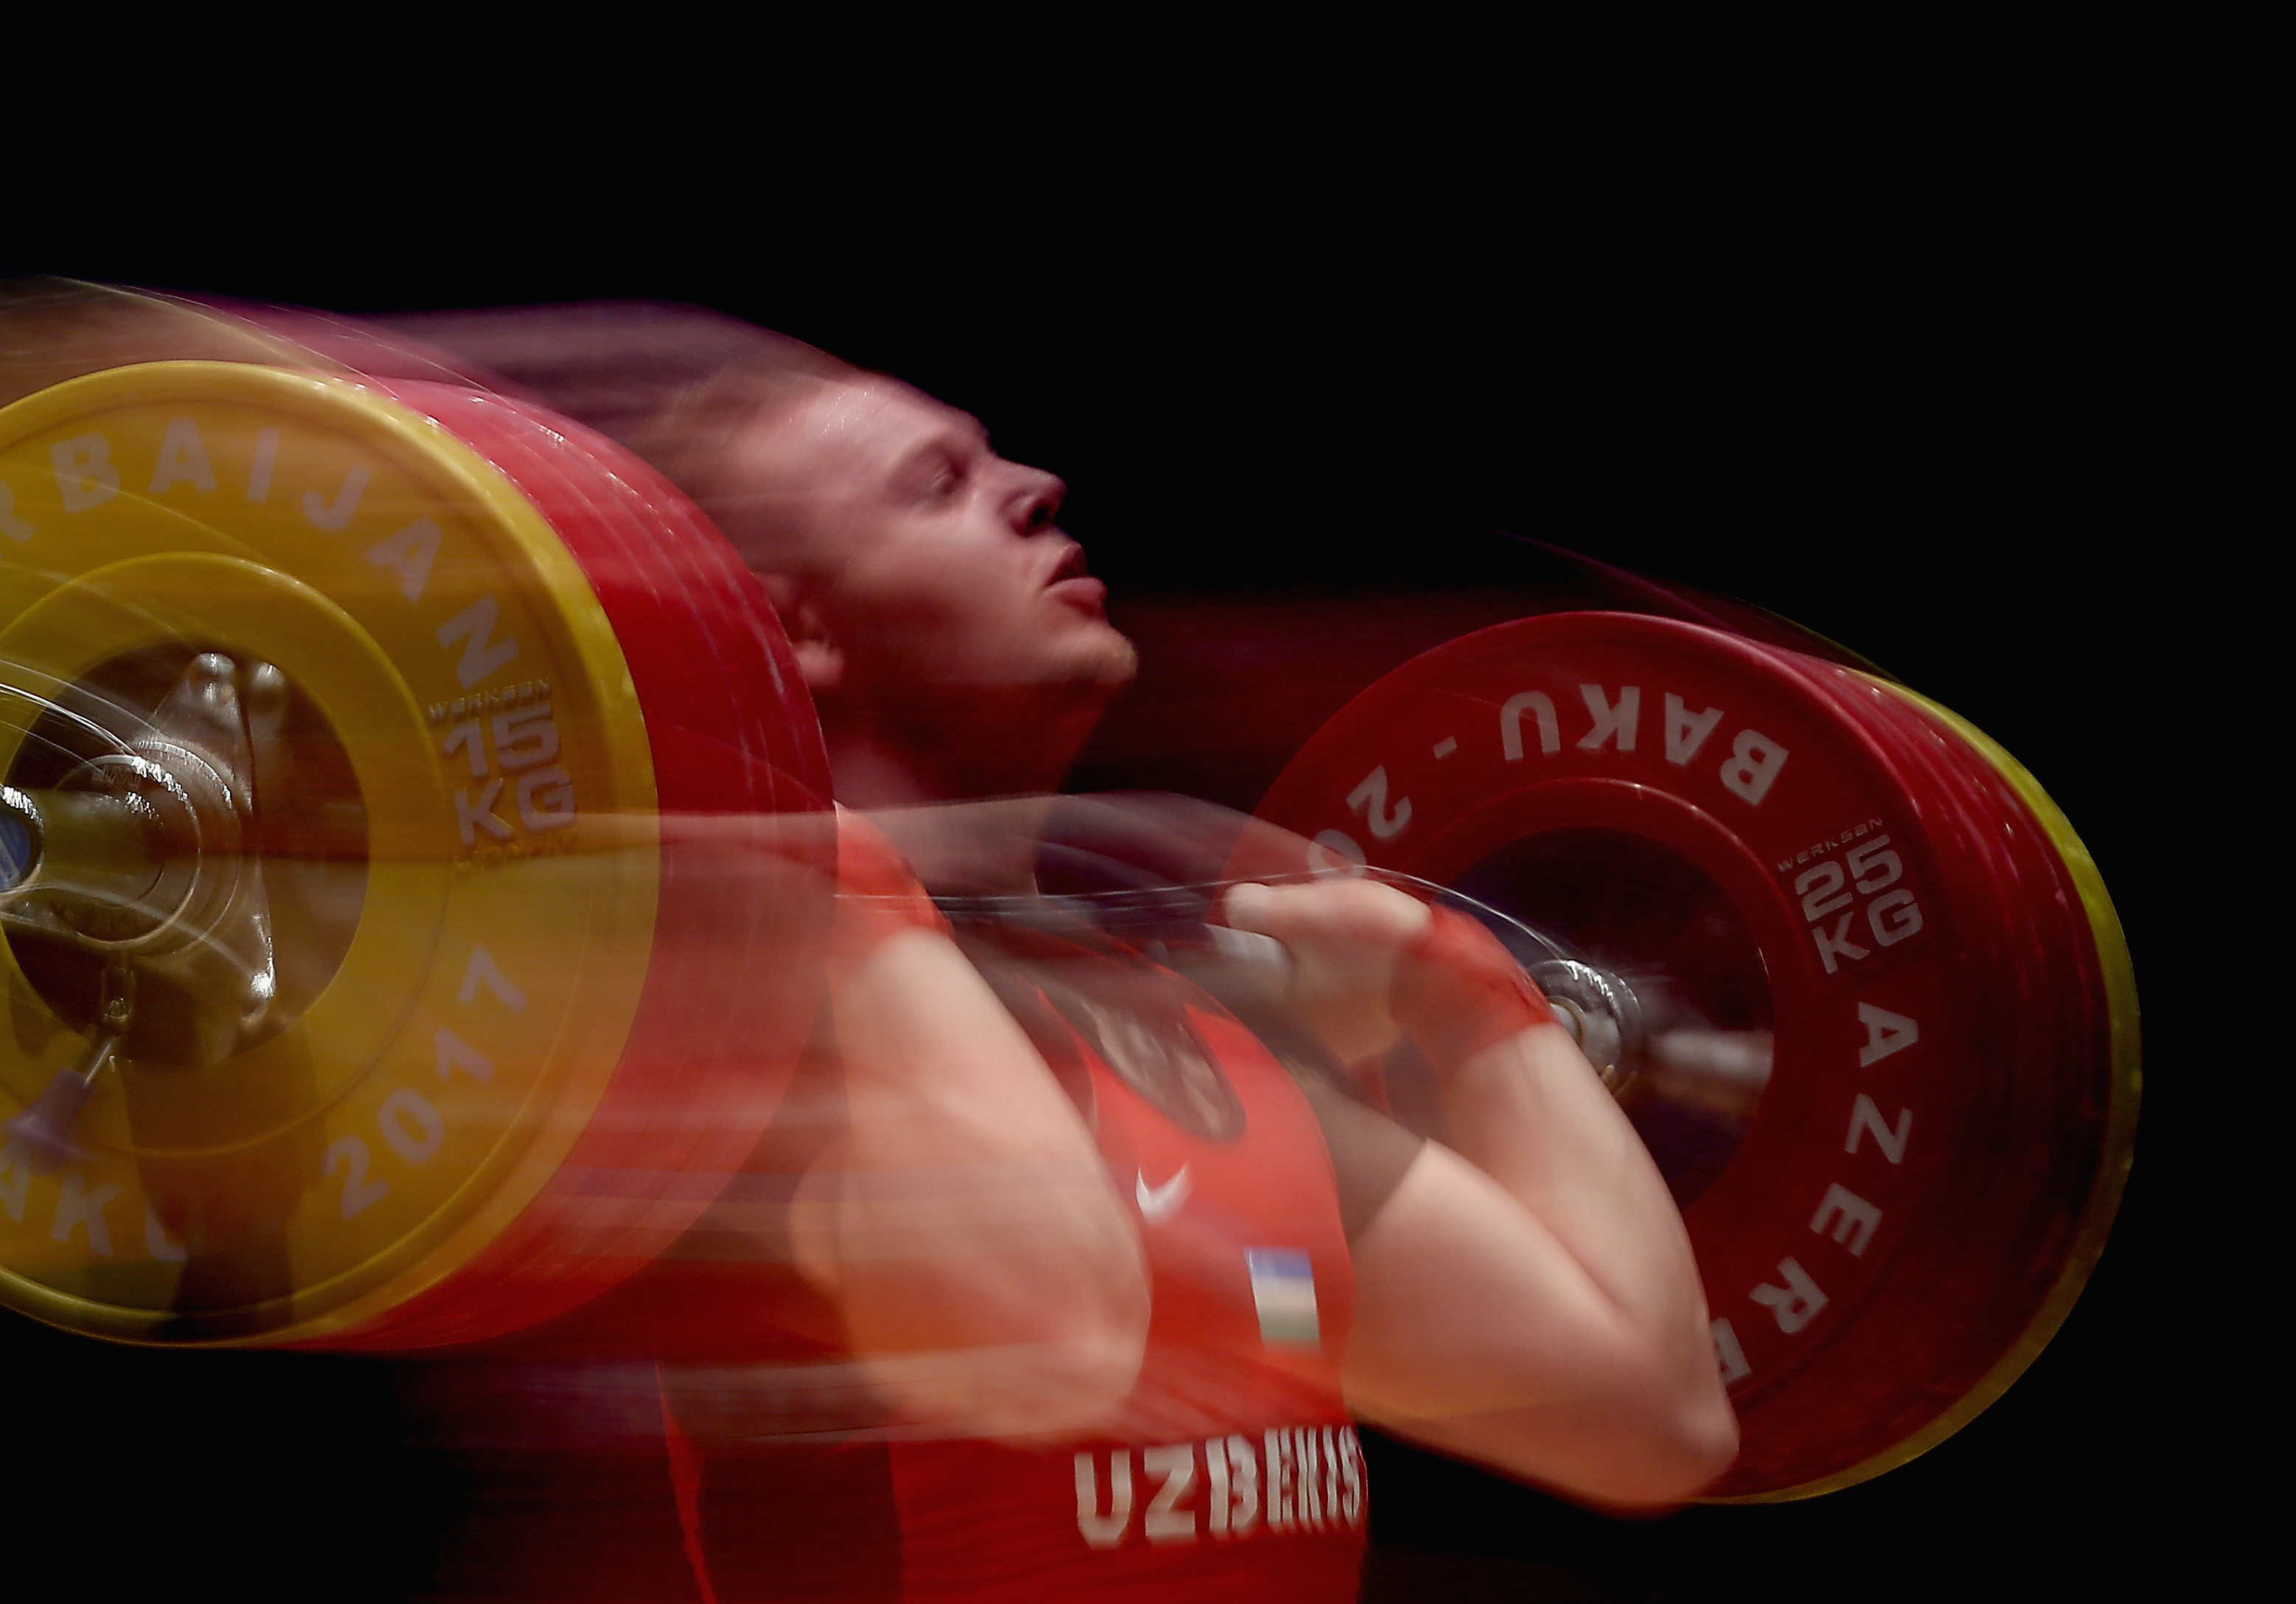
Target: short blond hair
(692,436)
(677,384)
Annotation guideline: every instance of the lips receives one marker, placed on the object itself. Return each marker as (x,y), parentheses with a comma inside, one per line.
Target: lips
(1069,584)
(1084,594)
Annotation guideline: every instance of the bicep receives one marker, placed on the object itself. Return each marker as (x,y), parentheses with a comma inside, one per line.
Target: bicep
(961,1220)
(915,1018)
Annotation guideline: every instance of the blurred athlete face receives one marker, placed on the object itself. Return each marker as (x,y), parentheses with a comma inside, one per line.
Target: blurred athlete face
(926,563)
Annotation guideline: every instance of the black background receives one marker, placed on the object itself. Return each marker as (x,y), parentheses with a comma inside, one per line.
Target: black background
(1906,408)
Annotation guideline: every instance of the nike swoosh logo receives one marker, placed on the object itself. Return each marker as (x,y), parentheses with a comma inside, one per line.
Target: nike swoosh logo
(1159,1204)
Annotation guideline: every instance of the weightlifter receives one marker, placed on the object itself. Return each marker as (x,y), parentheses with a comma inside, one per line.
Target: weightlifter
(1109,1271)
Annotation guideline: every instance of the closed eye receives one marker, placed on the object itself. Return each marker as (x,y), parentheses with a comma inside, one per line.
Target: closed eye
(934,476)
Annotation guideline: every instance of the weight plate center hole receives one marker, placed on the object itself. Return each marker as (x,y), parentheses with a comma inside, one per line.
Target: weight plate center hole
(1694,1032)
(232,920)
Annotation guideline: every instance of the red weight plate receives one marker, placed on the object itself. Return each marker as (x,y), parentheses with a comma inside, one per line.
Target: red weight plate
(1786,860)
(742,784)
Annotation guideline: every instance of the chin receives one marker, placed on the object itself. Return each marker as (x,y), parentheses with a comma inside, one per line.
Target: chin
(1088,654)
(1113,663)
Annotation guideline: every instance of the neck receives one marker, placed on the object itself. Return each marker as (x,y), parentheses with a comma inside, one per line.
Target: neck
(961,794)
(936,750)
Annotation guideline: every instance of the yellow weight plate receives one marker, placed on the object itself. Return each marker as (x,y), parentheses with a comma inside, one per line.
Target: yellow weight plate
(419,1102)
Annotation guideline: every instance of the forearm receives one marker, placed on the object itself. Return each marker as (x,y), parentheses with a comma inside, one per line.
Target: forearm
(1527,1110)
(1567,1341)
(1529,1298)
(1531,1113)
(1479,1329)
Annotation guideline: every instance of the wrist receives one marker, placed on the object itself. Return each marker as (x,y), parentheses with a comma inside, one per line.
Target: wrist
(1457,991)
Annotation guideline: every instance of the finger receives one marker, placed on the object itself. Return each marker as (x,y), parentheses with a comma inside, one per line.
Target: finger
(1247,907)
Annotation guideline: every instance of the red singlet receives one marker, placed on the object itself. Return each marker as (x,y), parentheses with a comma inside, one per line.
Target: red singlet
(1233,1475)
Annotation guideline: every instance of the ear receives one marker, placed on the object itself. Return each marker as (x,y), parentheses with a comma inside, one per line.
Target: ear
(820,659)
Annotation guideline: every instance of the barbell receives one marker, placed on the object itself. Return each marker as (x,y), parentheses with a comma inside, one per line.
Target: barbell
(413,855)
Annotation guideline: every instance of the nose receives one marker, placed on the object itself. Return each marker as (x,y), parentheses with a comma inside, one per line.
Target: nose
(1034,501)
